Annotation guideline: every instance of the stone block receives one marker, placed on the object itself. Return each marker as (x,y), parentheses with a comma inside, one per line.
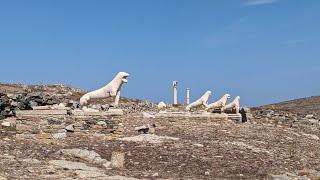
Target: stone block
(110,112)
(41,112)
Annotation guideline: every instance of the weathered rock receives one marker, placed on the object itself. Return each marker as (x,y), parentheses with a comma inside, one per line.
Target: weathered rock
(199,145)
(117,159)
(155,175)
(70,128)
(102,123)
(73,104)
(69,165)
(279,177)
(6,124)
(147,115)
(150,138)
(309,116)
(86,155)
(59,136)
(31,161)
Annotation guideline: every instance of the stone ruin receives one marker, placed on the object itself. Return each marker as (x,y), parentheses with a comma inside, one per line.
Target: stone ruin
(44,118)
(49,118)
(54,124)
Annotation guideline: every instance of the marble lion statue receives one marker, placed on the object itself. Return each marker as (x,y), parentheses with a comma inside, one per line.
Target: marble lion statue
(202,101)
(234,105)
(110,90)
(219,104)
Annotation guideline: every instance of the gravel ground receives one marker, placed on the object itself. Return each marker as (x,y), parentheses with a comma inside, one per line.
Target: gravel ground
(193,149)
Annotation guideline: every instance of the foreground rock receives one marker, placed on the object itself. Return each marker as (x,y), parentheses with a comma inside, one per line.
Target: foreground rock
(81,169)
(149,138)
(89,156)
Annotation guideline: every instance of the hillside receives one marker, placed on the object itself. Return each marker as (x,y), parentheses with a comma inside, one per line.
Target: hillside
(303,106)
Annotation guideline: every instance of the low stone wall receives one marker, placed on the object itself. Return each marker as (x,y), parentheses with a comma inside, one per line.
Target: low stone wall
(200,116)
(54,126)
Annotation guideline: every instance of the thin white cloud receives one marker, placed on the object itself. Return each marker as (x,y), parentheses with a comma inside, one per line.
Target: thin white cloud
(259,2)
(294,41)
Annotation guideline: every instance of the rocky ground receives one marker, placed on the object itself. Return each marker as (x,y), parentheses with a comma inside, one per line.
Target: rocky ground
(274,144)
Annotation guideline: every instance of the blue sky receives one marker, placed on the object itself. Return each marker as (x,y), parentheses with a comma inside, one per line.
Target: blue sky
(263,50)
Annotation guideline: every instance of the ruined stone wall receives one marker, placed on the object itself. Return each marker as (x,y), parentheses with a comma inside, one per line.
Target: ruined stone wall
(55,127)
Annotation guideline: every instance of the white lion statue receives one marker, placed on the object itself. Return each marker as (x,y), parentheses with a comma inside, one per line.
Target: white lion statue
(202,101)
(219,104)
(110,90)
(234,105)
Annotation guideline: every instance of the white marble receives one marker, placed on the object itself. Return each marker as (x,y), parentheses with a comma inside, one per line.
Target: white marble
(110,90)
(219,104)
(175,92)
(202,101)
(234,105)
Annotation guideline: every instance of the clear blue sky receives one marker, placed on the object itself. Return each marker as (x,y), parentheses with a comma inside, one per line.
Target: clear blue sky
(263,50)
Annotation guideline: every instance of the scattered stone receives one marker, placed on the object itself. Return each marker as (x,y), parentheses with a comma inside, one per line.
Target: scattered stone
(147,115)
(105,107)
(6,124)
(312,136)
(70,128)
(102,123)
(309,116)
(117,159)
(84,174)
(199,145)
(150,138)
(52,121)
(279,177)
(146,129)
(89,156)
(246,146)
(31,161)
(73,104)
(155,175)
(59,136)
(81,169)
(119,178)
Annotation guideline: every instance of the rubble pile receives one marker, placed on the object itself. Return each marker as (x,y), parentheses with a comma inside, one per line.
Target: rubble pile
(10,103)
(24,97)
(285,117)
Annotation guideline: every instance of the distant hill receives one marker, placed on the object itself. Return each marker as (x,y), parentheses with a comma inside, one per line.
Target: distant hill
(303,106)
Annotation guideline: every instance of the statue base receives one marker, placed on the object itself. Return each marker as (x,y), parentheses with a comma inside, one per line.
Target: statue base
(199,115)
